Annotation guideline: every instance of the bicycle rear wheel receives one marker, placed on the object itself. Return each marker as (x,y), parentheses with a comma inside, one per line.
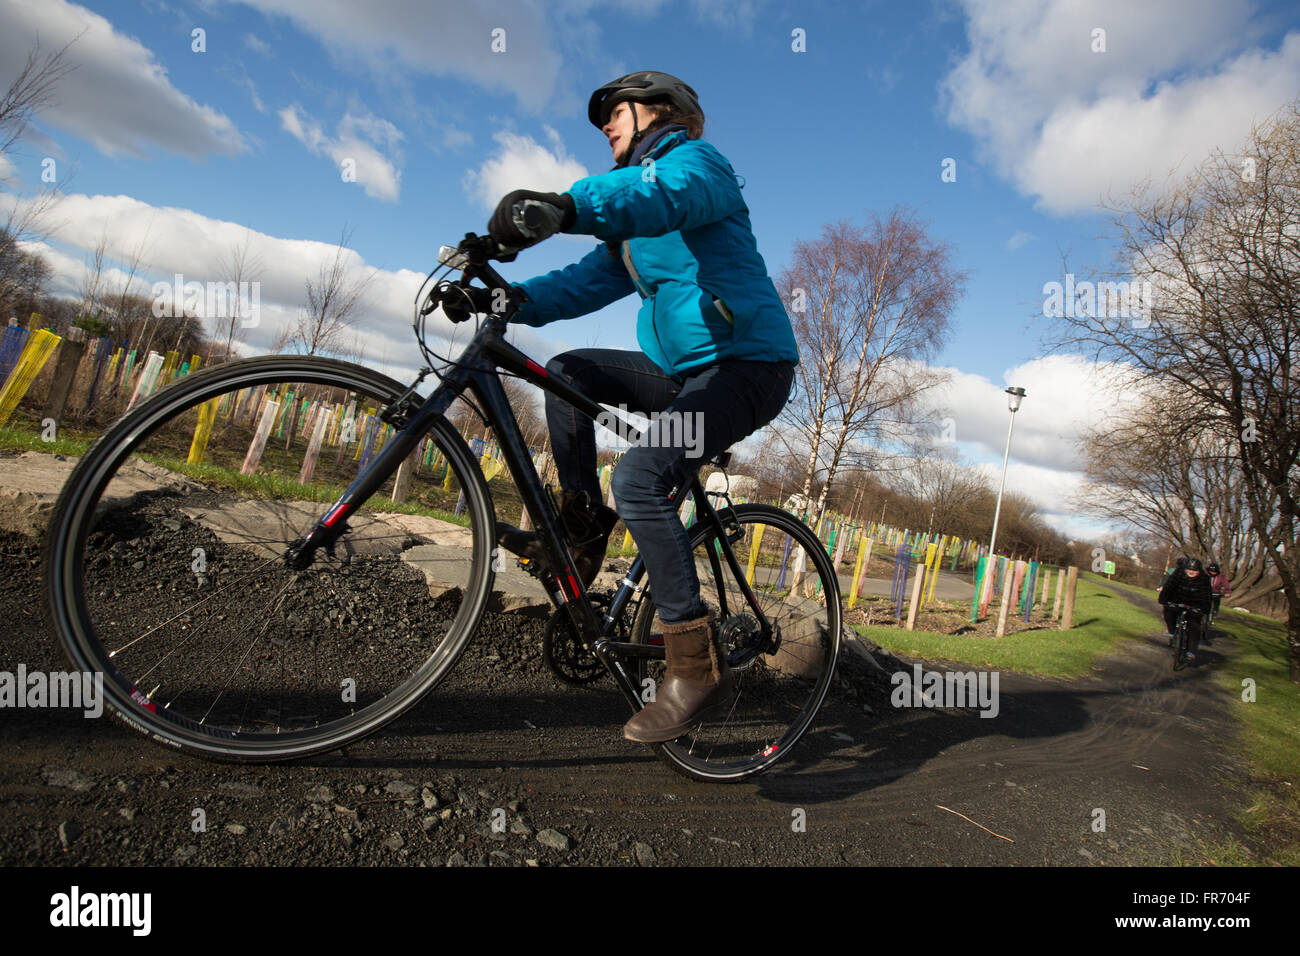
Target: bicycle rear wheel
(164,565)
(779,684)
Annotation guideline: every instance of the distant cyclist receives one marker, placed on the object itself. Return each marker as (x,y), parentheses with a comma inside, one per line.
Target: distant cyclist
(1219,586)
(1164,578)
(1186,585)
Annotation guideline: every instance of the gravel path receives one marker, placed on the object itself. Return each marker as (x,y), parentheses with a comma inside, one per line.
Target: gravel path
(504,765)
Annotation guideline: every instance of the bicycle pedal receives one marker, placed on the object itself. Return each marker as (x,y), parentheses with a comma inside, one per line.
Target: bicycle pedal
(531,567)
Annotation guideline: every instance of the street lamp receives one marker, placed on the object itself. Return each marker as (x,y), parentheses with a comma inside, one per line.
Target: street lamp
(1014,397)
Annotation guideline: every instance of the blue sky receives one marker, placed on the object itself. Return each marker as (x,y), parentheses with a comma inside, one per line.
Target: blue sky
(181,151)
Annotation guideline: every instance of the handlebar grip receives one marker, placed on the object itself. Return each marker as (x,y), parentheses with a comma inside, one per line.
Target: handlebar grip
(532,217)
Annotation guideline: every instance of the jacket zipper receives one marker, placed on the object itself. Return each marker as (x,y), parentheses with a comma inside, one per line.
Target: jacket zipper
(631,269)
(654,299)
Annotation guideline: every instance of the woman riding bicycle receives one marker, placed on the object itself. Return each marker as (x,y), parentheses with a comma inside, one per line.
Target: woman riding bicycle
(1187,585)
(717,350)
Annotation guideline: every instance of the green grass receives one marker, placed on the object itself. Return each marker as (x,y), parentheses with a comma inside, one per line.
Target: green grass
(1102,621)
(22,439)
(1269,738)
(1131,588)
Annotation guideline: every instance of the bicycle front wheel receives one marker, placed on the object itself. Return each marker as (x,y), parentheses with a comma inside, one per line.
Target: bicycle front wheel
(779,679)
(164,567)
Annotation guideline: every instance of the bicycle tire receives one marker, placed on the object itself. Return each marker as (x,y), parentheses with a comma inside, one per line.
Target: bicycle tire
(751,733)
(1180,642)
(130,496)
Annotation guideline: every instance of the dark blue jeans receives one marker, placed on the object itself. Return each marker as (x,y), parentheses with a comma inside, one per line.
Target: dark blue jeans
(707,413)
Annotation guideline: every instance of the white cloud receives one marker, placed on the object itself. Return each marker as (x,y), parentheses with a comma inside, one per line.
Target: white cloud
(523,163)
(182,241)
(1068,125)
(118,97)
(357,144)
(438,39)
(1019,239)
(1065,396)
(257,44)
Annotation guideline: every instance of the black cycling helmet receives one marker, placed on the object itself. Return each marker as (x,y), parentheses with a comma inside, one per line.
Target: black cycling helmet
(1193,564)
(646,86)
(1212,568)
(1182,562)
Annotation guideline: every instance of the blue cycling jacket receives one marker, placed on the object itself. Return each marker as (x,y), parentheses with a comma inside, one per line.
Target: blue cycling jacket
(686,245)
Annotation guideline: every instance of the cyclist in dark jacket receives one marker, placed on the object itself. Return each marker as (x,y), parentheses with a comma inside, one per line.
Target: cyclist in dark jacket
(1187,585)
(718,353)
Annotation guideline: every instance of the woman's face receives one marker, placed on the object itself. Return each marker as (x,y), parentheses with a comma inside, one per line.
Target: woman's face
(619,128)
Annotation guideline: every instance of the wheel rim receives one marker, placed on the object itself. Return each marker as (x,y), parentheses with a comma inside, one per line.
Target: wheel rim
(775,695)
(176,591)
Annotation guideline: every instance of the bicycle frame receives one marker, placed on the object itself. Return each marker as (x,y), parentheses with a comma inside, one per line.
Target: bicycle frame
(476,370)
(1182,637)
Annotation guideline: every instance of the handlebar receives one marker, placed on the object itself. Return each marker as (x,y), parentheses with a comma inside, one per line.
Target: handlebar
(472,256)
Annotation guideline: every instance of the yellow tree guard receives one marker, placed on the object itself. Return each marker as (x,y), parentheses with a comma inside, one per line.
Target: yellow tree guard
(199,446)
(856,582)
(40,345)
(753,553)
(932,553)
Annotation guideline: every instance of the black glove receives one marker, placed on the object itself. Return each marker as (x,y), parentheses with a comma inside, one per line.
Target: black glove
(548,213)
(459,303)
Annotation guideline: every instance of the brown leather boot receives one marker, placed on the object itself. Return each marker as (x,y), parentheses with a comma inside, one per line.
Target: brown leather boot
(587,528)
(697,682)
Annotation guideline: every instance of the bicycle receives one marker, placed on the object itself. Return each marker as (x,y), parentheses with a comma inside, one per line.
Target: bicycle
(1181,634)
(235,619)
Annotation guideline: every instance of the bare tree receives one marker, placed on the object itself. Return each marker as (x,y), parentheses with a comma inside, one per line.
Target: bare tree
(92,283)
(1177,481)
(239,265)
(22,275)
(942,488)
(333,298)
(1221,247)
(868,305)
(31,91)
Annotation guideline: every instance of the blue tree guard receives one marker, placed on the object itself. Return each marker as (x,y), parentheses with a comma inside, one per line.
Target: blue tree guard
(902,567)
(785,560)
(368,443)
(11,347)
(1032,580)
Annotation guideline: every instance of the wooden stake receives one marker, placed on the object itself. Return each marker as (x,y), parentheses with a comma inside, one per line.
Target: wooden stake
(916,595)
(1071,582)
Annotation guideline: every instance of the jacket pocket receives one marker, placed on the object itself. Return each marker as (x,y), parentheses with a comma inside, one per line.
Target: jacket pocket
(724,311)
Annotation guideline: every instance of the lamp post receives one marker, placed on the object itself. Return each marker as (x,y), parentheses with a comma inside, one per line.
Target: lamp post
(1013,403)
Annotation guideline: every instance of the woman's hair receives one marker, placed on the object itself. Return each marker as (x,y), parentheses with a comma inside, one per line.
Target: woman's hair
(667,113)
